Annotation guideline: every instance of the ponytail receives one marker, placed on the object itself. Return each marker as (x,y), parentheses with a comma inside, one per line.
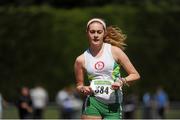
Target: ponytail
(115,37)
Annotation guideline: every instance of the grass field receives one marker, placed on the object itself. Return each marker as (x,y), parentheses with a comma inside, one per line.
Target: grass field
(12,113)
(51,112)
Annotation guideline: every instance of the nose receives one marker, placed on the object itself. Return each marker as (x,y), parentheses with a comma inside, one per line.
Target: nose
(95,35)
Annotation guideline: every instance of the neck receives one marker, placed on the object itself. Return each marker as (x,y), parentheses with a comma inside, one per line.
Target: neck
(96,50)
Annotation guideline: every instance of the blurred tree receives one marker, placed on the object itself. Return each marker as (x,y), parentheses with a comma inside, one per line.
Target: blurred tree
(40,44)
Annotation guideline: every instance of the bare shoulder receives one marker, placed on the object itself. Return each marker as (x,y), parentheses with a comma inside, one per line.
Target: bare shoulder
(116,51)
(80,60)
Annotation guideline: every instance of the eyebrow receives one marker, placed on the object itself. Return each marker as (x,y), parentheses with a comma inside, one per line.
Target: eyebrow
(95,30)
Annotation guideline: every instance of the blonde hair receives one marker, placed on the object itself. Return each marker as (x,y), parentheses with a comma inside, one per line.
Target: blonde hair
(115,37)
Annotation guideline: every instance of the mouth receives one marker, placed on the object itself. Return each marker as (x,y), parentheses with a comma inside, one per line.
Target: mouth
(95,40)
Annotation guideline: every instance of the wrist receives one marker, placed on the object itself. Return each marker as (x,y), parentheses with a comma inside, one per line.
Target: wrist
(125,82)
(80,88)
(120,82)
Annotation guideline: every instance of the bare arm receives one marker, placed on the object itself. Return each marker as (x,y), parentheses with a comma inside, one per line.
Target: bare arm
(123,59)
(79,75)
(79,71)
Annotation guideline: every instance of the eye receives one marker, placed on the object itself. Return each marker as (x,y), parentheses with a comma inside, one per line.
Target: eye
(99,31)
(92,31)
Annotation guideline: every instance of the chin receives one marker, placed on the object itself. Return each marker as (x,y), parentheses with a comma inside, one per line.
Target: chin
(96,44)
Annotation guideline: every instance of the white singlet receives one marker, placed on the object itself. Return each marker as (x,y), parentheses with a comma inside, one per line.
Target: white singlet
(102,72)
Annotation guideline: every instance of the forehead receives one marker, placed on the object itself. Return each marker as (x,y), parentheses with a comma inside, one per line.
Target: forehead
(96,25)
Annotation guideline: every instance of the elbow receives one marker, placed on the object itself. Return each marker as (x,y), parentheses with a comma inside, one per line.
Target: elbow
(138,76)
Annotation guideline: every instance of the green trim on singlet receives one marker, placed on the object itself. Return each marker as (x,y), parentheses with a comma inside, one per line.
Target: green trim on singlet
(116,71)
(115,76)
(90,77)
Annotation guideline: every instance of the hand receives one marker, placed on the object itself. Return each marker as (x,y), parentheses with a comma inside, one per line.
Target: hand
(24,105)
(85,90)
(116,85)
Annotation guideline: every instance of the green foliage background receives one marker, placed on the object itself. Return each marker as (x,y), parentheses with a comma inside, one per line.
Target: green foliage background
(40,45)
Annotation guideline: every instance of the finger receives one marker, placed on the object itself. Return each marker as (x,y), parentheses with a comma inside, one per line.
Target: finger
(112,87)
(91,90)
(115,87)
(82,90)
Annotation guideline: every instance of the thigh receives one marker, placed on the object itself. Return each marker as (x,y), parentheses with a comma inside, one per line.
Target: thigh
(90,109)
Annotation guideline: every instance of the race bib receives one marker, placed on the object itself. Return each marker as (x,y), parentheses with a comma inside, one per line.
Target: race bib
(102,88)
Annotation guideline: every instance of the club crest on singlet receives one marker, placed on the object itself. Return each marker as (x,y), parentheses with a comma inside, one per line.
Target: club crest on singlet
(99,65)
